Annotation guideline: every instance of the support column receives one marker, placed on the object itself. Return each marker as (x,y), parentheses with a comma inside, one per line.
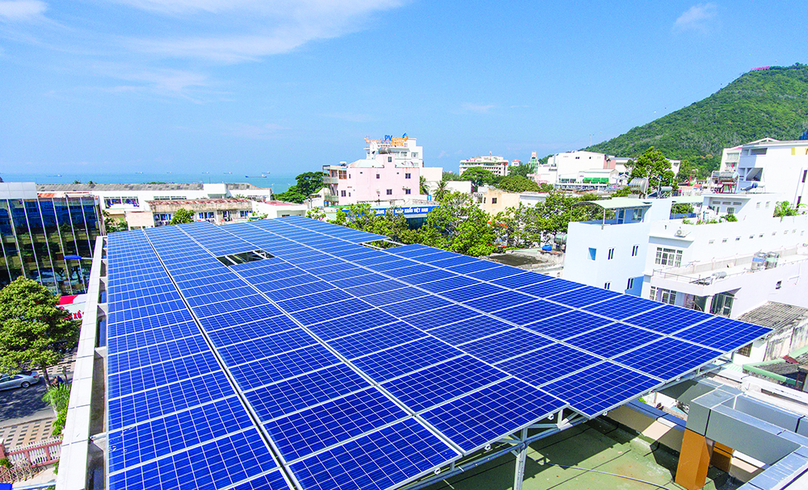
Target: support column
(694,460)
(521,457)
(722,456)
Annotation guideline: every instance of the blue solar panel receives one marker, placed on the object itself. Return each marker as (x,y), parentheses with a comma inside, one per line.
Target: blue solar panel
(453,261)
(452,282)
(376,461)
(507,299)
(127,382)
(379,338)
(723,334)
(433,385)
(426,277)
(207,466)
(251,330)
(470,329)
(159,437)
(623,307)
(156,402)
(331,311)
(304,391)
(351,324)
(319,427)
(471,267)
(668,358)
(549,288)
(494,273)
(528,313)
(440,316)
(583,296)
(601,387)
(388,364)
(539,367)
(282,366)
(256,348)
(492,413)
(394,296)
(231,318)
(572,323)
(668,319)
(504,345)
(312,300)
(472,292)
(409,307)
(613,339)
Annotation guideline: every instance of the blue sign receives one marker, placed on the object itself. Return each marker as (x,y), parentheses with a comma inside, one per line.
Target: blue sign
(409,210)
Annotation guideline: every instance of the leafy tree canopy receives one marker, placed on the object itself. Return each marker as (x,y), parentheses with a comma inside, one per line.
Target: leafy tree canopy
(653,166)
(114,224)
(459,225)
(307,184)
(479,176)
(33,330)
(181,216)
(521,170)
(517,183)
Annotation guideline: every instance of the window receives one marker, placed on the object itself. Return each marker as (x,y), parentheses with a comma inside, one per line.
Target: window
(608,285)
(711,241)
(778,285)
(724,240)
(737,239)
(630,284)
(243,214)
(757,206)
(389,192)
(493,200)
(745,350)
(407,175)
(804,173)
(377,176)
(389,159)
(663,295)
(610,256)
(342,193)
(730,210)
(799,200)
(635,250)
(407,191)
(668,256)
(593,253)
(758,151)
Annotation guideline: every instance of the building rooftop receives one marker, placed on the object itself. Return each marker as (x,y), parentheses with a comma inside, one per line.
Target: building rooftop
(167,186)
(777,316)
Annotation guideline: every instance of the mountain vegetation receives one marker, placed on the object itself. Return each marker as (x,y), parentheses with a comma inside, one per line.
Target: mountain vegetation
(771,102)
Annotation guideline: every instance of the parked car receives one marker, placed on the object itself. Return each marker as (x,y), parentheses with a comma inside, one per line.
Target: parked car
(21,380)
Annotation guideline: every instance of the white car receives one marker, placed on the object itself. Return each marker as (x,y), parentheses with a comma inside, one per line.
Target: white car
(8,382)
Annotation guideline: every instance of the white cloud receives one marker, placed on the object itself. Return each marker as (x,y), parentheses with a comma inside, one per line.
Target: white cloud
(696,18)
(351,117)
(166,82)
(21,9)
(477,108)
(259,28)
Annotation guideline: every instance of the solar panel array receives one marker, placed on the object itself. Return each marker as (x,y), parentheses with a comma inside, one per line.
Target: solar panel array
(334,365)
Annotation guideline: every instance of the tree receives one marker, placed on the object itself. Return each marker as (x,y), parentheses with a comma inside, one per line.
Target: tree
(114,224)
(479,176)
(181,216)
(459,225)
(653,166)
(517,183)
(33,330)
(622,192)
(520,170)
(442,190)
(422,185)
(308,183)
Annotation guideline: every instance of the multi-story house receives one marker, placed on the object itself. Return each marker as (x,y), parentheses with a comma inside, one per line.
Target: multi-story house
(391,170)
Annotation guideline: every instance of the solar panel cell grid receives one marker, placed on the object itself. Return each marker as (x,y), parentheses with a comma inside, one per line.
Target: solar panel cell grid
(405,358)
(551,362)
(270,370)
(613,339)
(379,338)
(504,345)
(469,329)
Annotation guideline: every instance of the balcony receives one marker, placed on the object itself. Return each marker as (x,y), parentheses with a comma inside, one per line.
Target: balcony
(330,180)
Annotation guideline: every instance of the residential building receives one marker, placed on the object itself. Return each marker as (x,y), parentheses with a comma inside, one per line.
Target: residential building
(587,170)
(48,236)
(610,252)
(391,170)
(216,211)
(496,165)
(279,209)
(766,165)
(146,205)
(729,268)
(493,200)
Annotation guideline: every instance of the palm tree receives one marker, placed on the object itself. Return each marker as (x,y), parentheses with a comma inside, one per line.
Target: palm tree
(424,189)
(442,190)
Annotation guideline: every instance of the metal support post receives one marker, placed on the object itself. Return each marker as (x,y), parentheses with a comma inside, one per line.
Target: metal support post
(521,457)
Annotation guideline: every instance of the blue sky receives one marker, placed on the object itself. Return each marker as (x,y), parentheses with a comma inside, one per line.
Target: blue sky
(118,86)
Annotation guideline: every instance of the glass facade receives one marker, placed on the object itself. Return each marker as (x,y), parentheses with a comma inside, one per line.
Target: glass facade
(49,240)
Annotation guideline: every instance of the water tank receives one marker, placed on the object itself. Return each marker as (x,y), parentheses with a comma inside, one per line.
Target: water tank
(759,261)
(547,248)
(771,259)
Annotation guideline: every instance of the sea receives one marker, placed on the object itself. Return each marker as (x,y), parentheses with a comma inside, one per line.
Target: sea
(278,183)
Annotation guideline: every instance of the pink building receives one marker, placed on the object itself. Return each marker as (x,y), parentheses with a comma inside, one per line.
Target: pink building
(391,170)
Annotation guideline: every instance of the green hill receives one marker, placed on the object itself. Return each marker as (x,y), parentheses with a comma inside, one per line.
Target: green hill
(769,102)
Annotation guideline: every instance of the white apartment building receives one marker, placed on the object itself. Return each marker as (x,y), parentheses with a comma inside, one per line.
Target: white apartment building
(610,253)
(729,268)
(576,170)
(391,170)
(496,165)
(767,165)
